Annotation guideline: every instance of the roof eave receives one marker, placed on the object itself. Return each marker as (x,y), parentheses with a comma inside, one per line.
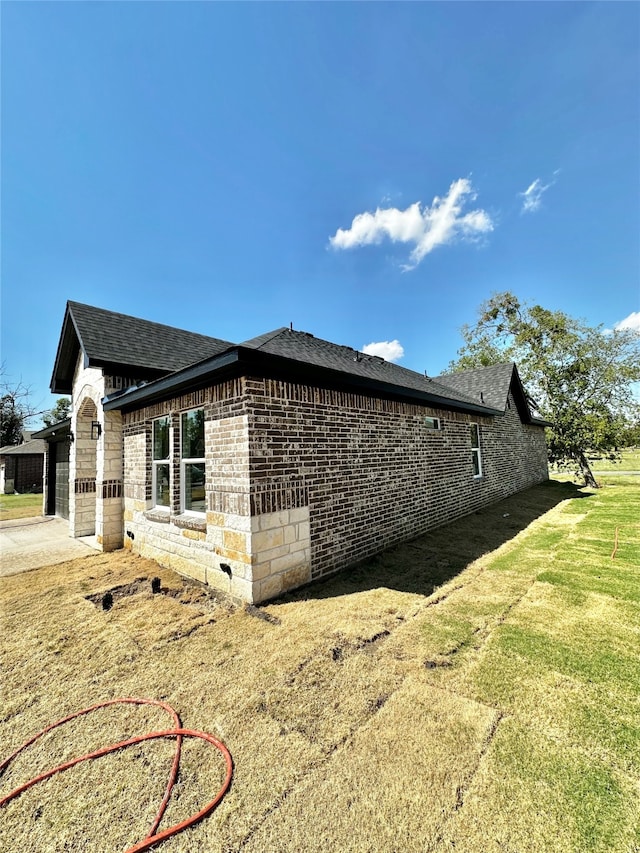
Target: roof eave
(175,383)
(56,430)
(66,351)
(198,375)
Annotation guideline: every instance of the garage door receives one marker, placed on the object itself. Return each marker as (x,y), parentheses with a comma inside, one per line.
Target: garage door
(61,479)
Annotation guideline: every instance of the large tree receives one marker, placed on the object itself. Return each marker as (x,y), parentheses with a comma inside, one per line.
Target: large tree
(579,377)
(15,410)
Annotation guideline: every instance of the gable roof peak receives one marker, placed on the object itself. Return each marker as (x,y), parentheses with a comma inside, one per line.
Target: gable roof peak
(125,345)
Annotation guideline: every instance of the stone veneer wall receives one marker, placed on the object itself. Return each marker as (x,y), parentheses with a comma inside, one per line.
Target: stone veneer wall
(303,481)
(95,465)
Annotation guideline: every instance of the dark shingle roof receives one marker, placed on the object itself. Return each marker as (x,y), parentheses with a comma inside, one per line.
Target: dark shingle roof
(484,384)
(301,355)
(29,448)
(492,385)
(307,349)
(126,344)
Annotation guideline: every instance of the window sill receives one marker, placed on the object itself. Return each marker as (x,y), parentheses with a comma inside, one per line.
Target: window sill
(190,522)
(161,515)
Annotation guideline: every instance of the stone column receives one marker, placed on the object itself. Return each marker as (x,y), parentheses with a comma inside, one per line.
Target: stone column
(109,516)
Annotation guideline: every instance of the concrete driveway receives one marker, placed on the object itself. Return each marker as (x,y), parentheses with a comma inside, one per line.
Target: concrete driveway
(30,543)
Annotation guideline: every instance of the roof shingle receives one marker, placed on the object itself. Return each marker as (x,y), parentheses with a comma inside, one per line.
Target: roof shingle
(135,346)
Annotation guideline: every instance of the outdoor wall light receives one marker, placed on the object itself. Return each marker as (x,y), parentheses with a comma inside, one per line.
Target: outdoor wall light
(71,437)
(96,430)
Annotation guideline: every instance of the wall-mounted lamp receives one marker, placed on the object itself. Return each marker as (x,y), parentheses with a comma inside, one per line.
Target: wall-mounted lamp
(96,430)
(71,437)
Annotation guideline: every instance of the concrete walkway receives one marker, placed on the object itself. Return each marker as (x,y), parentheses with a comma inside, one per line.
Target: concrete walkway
(30,543)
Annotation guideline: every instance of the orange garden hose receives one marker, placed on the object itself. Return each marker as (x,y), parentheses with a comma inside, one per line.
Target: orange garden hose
(153,837)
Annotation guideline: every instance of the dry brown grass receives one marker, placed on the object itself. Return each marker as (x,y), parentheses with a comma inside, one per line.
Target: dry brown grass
(355,717)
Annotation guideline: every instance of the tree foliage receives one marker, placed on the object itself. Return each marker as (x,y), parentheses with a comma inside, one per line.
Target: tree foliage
(15,410)
(59,412)
(579,377)
(11,421)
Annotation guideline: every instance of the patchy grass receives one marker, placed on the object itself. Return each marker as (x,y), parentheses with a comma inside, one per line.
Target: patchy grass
(473,690)
(20,506)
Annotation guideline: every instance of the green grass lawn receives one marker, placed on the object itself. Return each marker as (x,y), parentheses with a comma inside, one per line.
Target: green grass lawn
(20,506)
(476,690)
(629,461)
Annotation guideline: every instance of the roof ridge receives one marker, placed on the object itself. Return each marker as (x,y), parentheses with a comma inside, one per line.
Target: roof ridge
(264,338)
(477,369)
(94,308)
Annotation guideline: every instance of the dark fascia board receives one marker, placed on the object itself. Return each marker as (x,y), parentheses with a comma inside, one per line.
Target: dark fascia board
(66,355)
(522,404)
(239,360)
(122,368)
(190,378)
(55,432)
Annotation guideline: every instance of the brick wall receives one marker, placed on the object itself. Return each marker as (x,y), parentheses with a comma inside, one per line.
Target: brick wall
(373,473)
(23,472)
(214,548)
(303,481)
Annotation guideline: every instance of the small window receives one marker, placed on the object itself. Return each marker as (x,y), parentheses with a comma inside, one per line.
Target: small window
(432,423)
(476,457)
(192,465)
(161,466)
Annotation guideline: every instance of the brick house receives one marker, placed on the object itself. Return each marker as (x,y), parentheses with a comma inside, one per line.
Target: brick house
(21,466)
(261,466)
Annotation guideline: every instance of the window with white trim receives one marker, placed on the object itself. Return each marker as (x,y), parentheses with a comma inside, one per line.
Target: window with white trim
(192,466)
(432,423)
(160,462)
(476,455)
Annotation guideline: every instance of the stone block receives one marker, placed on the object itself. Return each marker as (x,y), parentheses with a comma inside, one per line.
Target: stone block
(228,554)
(242,589)
(238,522)
(234,541)
(194,534)
(268,588)
(299,514)
(304,531)
(267,539)
(296,577)
(271,554)
(287,561)
(271,520)
(261,571)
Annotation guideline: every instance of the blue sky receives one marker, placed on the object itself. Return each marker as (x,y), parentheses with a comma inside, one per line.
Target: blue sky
(370,172)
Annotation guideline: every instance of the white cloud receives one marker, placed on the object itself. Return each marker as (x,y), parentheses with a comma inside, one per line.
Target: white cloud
(389,350)
(630,322)
(426,227)
(532,196)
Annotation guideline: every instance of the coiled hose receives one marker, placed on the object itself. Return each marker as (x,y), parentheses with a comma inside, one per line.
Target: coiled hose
(153,837)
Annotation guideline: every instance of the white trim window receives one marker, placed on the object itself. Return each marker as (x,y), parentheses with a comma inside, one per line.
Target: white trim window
(476,454)
(192,465)
(432,423)
(160,462)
